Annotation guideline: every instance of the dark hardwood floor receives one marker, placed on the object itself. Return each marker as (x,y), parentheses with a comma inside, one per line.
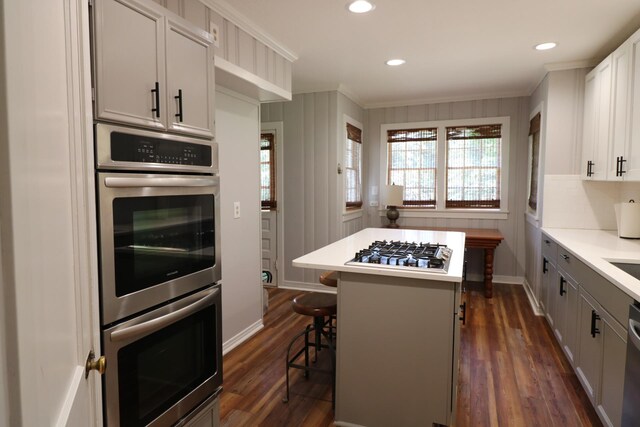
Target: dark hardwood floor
(512,371)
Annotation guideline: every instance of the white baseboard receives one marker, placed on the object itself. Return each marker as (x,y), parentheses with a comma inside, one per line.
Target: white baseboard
(532,299)
(304,286)
(512,280)
(244,335)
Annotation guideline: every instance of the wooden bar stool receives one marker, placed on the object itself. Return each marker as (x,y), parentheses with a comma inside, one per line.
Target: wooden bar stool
(319,306)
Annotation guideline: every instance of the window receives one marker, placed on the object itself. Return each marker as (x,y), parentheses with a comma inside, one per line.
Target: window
(352,168)
(453,166)
(412,155)
(267,171)
(473,166)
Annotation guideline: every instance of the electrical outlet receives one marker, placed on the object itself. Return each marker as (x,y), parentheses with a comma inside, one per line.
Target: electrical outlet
(236,210)
(215,32)
(373,203)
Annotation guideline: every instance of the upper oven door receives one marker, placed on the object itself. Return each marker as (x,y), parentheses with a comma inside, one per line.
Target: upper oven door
(159,239)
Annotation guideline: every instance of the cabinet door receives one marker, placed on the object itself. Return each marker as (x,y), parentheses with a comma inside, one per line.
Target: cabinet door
(596,120)
(589,356)
(129,63)
(570,308)
(614,356)
(559,294)
(620,93)
(549,281)
(632,166)
(189,81)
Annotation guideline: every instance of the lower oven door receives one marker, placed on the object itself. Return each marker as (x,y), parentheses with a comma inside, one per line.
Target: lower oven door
(163,364)
(159,239)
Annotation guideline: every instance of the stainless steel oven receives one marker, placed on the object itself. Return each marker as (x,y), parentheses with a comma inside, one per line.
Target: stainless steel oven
(159,232)
(158,221)
(165,362)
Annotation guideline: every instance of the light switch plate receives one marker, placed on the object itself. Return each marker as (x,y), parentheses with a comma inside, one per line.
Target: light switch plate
(236,210)
(215,32)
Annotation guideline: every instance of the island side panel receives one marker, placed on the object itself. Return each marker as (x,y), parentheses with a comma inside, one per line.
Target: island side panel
(395,351)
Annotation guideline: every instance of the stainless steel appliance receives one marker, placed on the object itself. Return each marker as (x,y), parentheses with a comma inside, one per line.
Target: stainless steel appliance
(164,363)
(631,399)
(158,223)
(159,236)
(431,257)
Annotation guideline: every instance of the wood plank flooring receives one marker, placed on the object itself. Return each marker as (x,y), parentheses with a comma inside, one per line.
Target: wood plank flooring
(512,371)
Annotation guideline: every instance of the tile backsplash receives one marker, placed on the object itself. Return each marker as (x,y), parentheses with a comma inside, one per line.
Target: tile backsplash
(570,202)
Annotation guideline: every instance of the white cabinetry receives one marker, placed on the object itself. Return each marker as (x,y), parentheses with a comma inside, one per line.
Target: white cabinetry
(597,106)
(611,128)
(152,69)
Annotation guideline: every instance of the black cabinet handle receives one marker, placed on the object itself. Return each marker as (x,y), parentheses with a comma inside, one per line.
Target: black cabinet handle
(565,257)
(622,171)
(156,92)
(617,166)
(562,289)
(544,265)
(179,98)
(594,317)
(590,168)
(463,308)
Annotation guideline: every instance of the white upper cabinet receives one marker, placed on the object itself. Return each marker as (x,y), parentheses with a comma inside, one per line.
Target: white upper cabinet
(189,108)
(597,106)
(612,115)
(152,68)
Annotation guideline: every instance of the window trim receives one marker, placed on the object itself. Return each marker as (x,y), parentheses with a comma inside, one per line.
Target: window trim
(440,209)
(272,203)
(351,212)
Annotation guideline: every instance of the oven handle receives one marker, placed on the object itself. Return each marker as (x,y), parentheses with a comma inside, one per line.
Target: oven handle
(158,181)
(163,321)
(634,327)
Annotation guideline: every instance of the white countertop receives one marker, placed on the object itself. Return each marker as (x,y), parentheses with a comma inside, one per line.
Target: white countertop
(335,255)
(596,248)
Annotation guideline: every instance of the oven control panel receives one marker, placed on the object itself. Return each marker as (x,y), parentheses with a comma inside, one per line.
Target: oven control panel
(142,149)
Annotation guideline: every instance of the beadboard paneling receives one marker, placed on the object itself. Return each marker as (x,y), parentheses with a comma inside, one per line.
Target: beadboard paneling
(510,255)
(312,199)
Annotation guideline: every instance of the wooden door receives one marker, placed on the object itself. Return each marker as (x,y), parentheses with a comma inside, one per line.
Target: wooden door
(129,63)
(190,85)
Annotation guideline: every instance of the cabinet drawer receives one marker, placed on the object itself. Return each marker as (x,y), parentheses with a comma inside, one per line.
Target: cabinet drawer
(567,262)
(608,295)
(549,248)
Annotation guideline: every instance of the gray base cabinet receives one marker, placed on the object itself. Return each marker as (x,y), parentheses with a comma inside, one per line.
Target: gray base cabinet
(208,416)
(587,315)
(397,357)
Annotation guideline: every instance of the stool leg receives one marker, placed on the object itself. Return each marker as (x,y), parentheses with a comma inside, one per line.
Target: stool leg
(306,350)
(318,325)
(288,362)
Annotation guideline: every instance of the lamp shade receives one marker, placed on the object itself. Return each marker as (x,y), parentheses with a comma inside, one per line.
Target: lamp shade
(395,195)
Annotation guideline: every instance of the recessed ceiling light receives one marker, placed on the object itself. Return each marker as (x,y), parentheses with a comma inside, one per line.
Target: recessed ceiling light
(395,62)
(545,46)
(361,6)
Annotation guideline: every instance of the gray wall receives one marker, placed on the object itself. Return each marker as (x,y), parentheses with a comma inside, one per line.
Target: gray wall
(312,189)
(510,255)
(237,133)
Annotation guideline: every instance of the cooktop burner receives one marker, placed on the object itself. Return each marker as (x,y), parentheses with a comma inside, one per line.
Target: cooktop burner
(433,257)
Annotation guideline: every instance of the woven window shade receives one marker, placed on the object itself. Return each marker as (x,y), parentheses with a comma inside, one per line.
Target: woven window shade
(412,162)
(534,133)
(473,166)
(267,171)
(352,168)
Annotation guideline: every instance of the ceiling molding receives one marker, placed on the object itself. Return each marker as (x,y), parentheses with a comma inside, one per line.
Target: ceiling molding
(561,66)
(351,95)
(426,101)
(232,14)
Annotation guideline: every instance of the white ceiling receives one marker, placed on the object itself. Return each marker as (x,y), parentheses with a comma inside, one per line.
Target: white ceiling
(455,49)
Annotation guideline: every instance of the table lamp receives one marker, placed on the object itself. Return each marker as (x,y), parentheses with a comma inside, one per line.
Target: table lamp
(395,197)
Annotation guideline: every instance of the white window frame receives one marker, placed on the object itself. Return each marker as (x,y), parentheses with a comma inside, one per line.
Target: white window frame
(441,211)
(352,213)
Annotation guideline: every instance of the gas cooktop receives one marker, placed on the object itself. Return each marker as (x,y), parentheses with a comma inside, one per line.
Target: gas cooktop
(431,257)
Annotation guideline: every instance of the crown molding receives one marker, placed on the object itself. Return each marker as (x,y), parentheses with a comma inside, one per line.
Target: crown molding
(232,14)
(570,65)
(426,101)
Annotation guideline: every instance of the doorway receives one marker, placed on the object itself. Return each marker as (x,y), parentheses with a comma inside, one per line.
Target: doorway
(270,200)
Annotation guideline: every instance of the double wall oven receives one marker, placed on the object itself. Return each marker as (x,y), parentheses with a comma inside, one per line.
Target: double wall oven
(160,295)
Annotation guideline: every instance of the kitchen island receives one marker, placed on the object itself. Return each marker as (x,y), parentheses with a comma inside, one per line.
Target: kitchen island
(398,332)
